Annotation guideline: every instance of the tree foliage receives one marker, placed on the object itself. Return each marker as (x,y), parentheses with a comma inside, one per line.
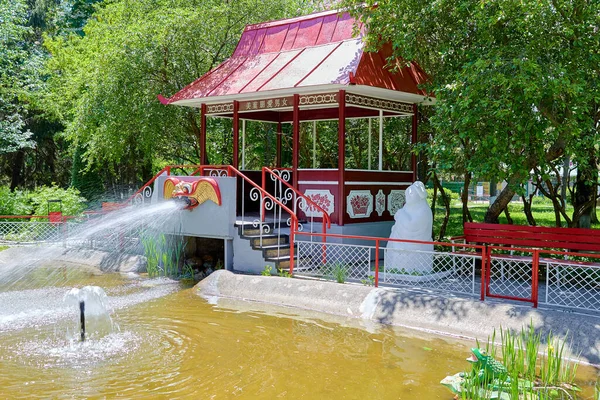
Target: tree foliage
(15,75)
(104,84)
(516,82)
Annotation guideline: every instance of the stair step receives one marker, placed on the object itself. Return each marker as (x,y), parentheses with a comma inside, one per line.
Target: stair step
(267,240)
(248,228)
(276,250)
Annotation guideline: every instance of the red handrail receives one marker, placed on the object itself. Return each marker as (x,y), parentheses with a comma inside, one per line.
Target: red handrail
(293,216)
(326,219)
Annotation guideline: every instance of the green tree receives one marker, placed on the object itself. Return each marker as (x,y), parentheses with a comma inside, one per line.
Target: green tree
(14,71)
(104,84)
(516,82)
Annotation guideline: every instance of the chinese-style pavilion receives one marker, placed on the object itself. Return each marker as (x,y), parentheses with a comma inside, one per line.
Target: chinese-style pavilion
(315,68)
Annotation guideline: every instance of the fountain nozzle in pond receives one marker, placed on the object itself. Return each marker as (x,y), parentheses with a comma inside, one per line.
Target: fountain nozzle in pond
(82,319)
(93,306)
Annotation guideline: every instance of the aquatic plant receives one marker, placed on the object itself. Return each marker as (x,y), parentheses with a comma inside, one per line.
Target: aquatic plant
(266,271)
(164,255)
(530,374)
(152,255)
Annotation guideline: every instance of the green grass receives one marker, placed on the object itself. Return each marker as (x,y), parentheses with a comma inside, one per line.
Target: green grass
(542,212)
(3,248)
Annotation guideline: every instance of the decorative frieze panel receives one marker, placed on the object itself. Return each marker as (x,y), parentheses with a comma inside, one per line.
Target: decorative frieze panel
(318,99)
(267,104)
(380,202)
(323,198)
(219,108)
(379,104)
(396,201)
(359,203)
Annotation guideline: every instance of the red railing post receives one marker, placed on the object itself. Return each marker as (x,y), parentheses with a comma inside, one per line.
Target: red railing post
(264,188)
(377,263)
(484,259)
(534,278)
(292,231)
(488,271)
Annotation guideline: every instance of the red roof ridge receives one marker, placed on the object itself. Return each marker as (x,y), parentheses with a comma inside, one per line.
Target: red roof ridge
(287,21)
(338,42)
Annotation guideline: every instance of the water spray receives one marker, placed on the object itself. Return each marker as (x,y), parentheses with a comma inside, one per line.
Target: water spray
(93,310)
(82,319)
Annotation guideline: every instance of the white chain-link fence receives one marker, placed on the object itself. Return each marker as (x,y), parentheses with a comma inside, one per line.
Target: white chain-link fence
(572,284)
(453,272)
(511,276)
(122,238)
(342,262)
(25,232)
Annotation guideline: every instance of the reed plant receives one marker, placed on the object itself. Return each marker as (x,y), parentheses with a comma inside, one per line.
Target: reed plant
(164,255)
(531,373)
(152,255)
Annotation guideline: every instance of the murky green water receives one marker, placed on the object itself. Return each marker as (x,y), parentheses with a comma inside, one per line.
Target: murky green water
(173,344)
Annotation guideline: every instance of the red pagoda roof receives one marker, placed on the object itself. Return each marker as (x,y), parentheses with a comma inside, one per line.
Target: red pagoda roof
(309,54)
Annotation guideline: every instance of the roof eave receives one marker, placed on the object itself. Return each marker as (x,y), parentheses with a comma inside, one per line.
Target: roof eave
(381,93)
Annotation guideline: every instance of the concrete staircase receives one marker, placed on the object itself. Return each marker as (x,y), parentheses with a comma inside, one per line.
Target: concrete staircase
(274,248)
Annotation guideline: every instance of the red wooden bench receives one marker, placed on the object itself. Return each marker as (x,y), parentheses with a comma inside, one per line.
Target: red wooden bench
(579,239)
(556,245)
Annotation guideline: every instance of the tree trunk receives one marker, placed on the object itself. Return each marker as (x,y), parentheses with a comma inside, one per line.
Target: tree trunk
(501,202)
(565,179)
(433,200)
(586,187)
(509,219)
(17,169)
(446,201)
(466,215)
(527,210)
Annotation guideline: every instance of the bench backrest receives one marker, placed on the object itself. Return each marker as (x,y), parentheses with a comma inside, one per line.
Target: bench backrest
(533,236)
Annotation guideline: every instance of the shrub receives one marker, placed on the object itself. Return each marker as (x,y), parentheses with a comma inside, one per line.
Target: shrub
(72,202)
(13,203)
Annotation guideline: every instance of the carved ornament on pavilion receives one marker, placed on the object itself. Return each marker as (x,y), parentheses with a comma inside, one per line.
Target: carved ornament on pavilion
(316,99)
(379,104)
(219,108)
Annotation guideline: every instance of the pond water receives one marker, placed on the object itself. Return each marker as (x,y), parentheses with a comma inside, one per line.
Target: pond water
(169,343)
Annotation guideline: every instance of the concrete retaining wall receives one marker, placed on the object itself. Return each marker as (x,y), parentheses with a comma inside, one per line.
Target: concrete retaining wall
(56,256)
(432,311)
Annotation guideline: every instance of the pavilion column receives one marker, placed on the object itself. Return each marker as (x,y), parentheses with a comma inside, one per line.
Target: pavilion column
(279,133)
(295,139)
(413,157)
(380,166)
(203,156)
(370,140)
(314,137)
(341,155)
(236,133)
(243,144)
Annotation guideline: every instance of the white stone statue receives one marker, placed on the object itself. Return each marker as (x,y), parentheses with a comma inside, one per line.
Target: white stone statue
(414,221)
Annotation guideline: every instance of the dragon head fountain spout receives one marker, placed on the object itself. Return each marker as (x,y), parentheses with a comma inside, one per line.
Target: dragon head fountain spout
(192,193)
